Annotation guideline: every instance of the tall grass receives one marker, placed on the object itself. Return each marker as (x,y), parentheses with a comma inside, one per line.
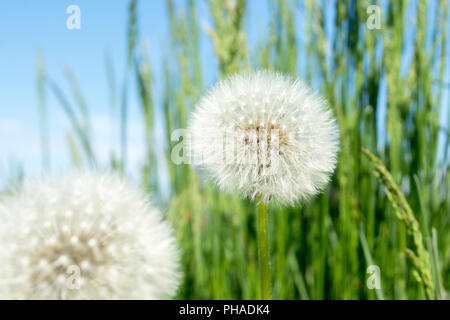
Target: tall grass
(397,218)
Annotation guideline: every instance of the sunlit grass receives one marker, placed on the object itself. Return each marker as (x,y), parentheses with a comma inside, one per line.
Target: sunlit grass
(397,219)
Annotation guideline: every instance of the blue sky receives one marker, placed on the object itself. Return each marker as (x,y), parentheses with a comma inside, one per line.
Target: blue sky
(28,27)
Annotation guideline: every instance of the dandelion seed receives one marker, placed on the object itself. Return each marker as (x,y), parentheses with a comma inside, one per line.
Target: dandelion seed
(302,163)
(109,231)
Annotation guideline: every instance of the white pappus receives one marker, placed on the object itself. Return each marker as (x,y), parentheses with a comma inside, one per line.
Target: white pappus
(85,236)
(265,135)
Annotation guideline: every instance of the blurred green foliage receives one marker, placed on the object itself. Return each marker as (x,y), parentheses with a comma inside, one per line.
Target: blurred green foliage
(391,210)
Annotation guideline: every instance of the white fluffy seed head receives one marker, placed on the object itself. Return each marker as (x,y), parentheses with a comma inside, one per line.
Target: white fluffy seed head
(85,236)
(265,135)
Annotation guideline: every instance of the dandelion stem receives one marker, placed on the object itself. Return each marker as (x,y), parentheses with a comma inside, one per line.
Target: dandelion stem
(263,252)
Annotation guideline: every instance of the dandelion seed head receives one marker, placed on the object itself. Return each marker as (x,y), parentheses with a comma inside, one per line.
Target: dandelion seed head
(281,147)
(98,223)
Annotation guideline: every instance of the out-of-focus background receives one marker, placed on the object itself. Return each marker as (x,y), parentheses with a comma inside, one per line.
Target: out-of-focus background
(110,93)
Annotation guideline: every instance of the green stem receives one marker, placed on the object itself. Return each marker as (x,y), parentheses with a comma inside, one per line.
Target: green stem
(263,252)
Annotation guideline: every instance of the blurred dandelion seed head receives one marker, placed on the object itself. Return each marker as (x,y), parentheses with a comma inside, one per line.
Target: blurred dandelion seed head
(97,223)
(266,136)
